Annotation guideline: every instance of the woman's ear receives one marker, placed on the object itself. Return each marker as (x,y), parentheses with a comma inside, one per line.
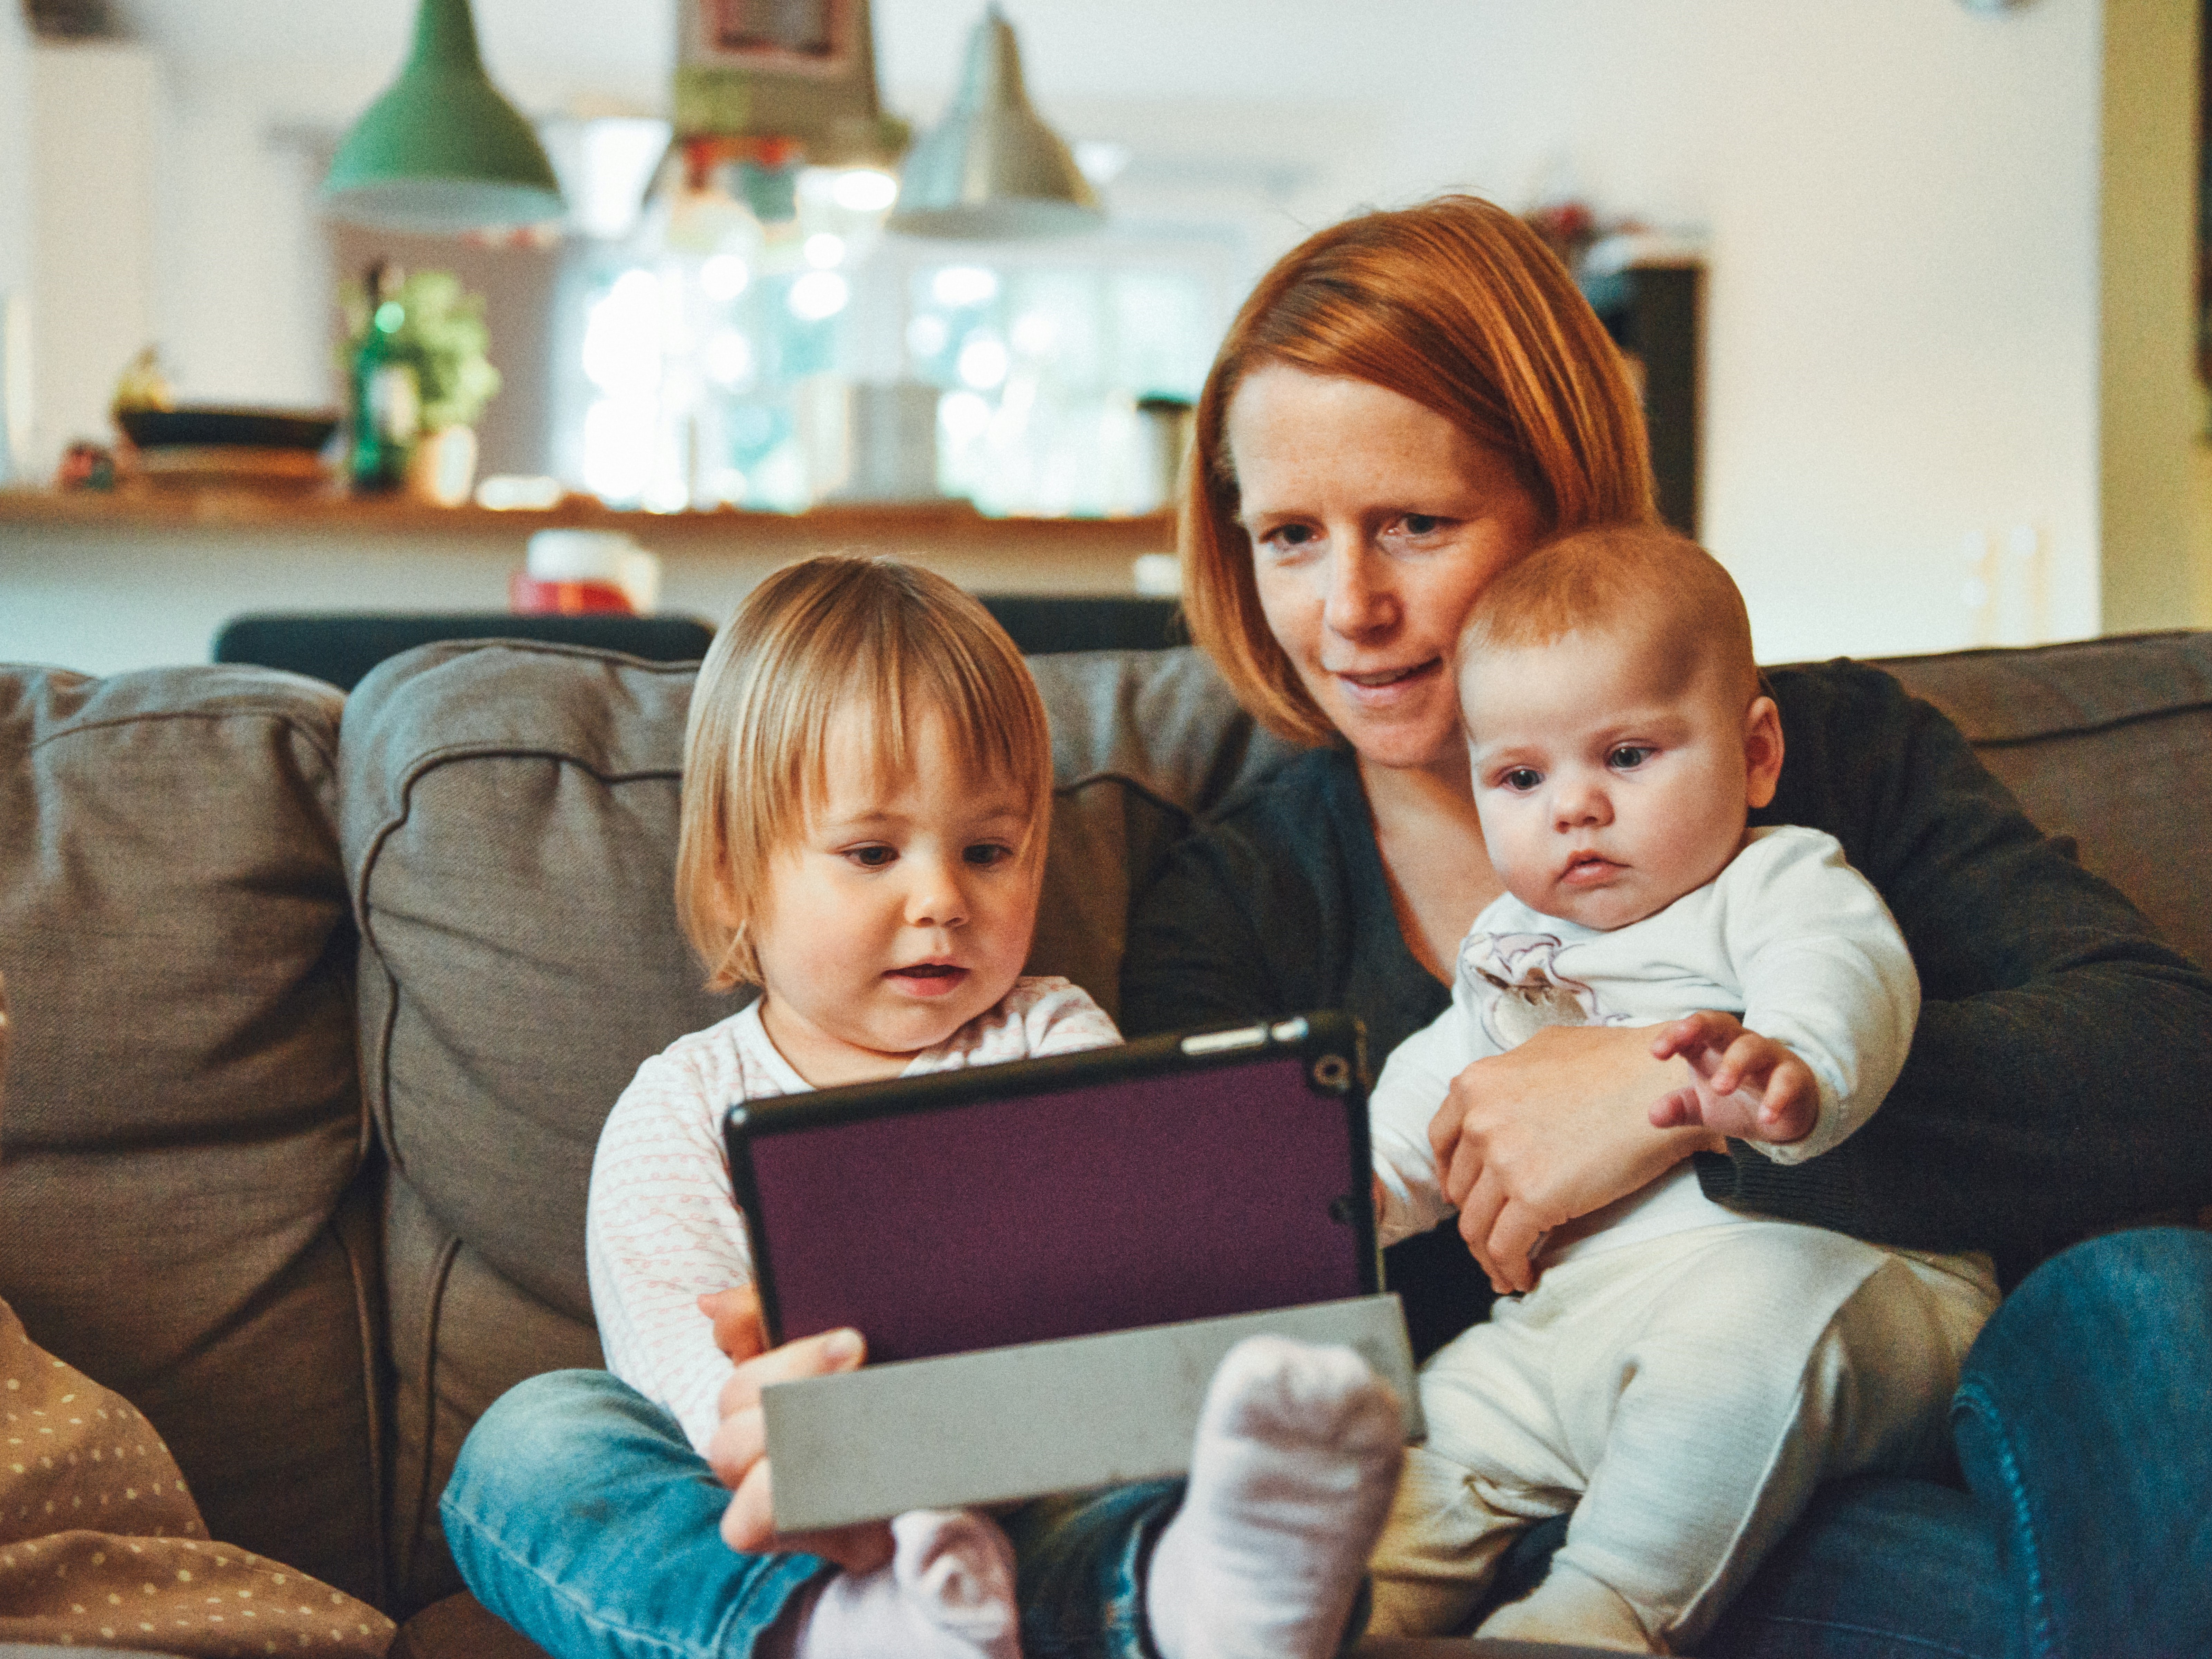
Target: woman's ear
(1762,752)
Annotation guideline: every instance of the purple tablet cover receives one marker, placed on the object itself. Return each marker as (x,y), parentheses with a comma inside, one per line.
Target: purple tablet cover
(1137,1201)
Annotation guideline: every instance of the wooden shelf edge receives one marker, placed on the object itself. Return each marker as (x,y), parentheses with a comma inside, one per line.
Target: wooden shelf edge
(203,509)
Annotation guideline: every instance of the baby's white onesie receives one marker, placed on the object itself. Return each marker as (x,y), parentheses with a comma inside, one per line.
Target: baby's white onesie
(1691,1391)
(1789,938)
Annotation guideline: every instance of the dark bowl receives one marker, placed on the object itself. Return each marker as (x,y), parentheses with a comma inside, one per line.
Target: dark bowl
(241,428)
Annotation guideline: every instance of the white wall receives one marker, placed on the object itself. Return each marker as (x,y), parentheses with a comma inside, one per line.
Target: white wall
(1902,198)
(14,201)
(97,112)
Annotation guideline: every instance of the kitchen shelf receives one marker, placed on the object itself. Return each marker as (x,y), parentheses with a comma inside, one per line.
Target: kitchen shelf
(933,523)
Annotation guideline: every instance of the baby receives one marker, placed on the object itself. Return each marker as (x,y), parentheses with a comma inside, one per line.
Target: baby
(867,794)
(1682,1375)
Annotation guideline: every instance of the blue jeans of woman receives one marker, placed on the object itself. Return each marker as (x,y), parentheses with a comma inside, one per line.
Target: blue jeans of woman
(2083,1422)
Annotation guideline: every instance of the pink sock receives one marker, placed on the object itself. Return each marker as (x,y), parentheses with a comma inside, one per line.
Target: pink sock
(1291,1476)
(947,1593)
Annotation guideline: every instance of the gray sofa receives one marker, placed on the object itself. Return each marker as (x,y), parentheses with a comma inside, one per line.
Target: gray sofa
(320,1004)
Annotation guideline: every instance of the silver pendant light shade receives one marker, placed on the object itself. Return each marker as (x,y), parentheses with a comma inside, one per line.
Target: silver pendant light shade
(992,168)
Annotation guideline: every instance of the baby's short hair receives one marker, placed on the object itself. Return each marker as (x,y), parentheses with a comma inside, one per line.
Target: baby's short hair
(1638,578)
(816,640)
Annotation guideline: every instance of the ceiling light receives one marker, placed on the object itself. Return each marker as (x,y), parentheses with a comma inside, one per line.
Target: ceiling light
(442,151)
(991,167)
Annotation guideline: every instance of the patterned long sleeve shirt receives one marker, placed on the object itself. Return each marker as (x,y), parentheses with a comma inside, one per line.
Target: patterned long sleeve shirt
(663,1226)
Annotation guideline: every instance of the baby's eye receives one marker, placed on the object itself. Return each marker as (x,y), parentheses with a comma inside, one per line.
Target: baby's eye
(986,853)
(1422,524)
(1628,756)
(873,856)
(1522,779)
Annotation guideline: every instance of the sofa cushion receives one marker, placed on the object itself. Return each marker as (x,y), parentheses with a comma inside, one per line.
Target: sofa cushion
(509,836)
(509,829)
(183,1121)
(2104,741)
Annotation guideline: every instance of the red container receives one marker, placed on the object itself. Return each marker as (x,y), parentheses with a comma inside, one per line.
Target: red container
(527,596)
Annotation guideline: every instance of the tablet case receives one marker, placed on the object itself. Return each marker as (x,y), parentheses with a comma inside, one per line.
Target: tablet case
(1171,1179)
(974,1429)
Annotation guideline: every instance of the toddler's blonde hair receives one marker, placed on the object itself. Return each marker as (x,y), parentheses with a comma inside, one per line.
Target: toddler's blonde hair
(815,641)
(1633,580)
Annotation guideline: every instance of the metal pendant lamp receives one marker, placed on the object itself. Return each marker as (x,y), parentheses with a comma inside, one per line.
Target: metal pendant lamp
(991,167)
(443,150)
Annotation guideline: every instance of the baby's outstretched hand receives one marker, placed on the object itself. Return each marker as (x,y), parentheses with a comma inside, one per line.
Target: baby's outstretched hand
(738,1452)
(1743,1084)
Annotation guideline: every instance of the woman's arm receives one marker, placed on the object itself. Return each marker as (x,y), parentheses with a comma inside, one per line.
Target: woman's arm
(2057,1080)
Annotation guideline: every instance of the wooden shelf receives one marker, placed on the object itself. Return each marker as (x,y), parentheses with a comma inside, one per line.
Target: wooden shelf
(927,523)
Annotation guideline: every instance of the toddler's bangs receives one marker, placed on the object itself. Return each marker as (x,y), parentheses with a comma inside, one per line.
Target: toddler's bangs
(886,696)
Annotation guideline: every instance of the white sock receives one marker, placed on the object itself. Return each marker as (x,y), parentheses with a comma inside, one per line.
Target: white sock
(947,1593)
(1290,1480)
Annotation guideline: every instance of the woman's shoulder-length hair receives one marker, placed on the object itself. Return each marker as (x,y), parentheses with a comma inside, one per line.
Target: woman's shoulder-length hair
(1459,306)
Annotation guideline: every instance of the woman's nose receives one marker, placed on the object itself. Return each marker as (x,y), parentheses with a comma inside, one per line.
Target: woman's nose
(1359,602)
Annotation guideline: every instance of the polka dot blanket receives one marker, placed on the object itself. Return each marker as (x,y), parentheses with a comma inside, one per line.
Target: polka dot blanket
(101,1546)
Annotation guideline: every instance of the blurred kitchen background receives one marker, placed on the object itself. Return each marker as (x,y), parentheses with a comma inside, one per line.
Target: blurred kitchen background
(1944,347)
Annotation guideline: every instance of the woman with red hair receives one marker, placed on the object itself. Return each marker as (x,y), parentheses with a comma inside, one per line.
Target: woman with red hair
(1409,403)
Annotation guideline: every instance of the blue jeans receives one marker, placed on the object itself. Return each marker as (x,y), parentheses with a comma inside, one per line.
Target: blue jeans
(579,1513)
(2084,1423)
(2083,1420)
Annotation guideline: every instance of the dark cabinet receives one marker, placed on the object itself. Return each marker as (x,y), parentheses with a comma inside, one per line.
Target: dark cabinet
(1653,312)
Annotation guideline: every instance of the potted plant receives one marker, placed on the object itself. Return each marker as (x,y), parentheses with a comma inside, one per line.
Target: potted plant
(441,337)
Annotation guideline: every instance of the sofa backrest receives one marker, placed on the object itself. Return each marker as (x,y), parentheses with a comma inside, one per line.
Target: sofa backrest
(180,1216)
(2108,742)
(180,1156)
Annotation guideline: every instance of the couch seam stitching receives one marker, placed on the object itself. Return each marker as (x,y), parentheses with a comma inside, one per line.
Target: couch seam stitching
(285,717)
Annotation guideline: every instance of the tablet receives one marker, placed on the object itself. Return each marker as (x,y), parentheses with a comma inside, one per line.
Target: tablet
(1189,1176)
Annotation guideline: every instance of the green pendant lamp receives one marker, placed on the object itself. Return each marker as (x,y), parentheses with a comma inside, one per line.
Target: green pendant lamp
(992,168)
(442,151)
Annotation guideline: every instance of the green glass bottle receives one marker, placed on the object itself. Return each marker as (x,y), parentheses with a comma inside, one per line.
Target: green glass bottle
(387,397)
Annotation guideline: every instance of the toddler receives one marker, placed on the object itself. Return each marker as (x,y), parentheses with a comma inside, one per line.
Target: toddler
(867,791)
(1682,1374)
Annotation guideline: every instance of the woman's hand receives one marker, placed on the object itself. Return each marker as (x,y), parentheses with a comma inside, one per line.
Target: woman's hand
(738,1452)
(1532,1139)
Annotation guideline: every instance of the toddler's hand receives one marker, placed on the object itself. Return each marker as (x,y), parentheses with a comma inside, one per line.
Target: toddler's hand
(738,1452)
(736,1317)
(1745,1085)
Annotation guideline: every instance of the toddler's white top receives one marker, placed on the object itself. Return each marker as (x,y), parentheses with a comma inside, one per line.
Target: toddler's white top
(1789,938)
(663,1228)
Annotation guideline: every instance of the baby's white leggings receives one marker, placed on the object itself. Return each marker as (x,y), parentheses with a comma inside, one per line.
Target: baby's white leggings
(1682,1396)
